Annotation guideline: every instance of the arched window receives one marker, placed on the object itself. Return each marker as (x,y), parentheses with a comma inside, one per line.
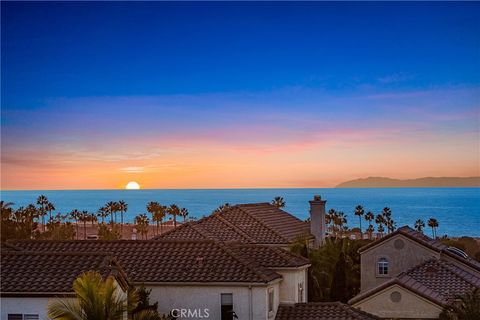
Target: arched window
(382,266)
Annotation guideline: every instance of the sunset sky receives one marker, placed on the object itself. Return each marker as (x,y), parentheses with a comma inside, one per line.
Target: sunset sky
(234,95)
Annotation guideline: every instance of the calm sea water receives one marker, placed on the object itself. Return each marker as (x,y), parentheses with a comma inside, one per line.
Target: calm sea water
(456,209)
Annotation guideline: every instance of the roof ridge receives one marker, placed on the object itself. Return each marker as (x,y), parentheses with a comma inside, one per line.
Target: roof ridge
(248,263)
(183,225)
(236,228)
(264,224)
(57,253)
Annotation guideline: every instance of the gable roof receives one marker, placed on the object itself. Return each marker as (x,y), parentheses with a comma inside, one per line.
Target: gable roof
(50,273)
(260,223)
(321,311)
(436,280)
(160,261)
(424,240)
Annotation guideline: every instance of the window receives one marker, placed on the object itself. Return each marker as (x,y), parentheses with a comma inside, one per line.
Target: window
(300,292)
(19,316)
(227,306)
(270,300)
(383,266)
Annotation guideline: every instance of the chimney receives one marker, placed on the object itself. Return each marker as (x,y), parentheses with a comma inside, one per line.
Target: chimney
(317,219)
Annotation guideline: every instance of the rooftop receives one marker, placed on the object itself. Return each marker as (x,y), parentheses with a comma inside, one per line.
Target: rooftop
(321,311)
(155,261)
(260,223)
(437,280)
(45,273)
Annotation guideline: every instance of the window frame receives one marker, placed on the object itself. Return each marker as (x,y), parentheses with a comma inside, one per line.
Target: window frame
(270,302)
(382,264)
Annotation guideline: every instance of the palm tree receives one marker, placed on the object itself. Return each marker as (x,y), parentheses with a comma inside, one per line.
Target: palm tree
(386,213)
(174,211)
(360,212)
(153,208)
(380,220)
(278,202)
(341,221)
(75,215)
(433,223)
(123,207)
(95,299)
(184,214)
(419,225)
(84,217)
(369,216)
(142,222)
(42,201)
(111,207)
(391,225)
(92,218)
(102,213)
(330,220)
(50,207)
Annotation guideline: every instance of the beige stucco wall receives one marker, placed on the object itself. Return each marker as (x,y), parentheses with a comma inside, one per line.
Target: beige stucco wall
(289,285)
(24,306)
(400,260)
(248,303)
(411,306)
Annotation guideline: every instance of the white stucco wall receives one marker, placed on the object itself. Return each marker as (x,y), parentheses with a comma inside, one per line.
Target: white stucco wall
(289,285)
(410,306)
(208,297)
(24,306)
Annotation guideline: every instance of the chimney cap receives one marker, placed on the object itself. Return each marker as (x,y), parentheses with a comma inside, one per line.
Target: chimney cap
(317,197)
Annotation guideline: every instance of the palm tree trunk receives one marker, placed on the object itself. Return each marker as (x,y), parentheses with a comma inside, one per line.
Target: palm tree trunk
(361,232)
(121,226)
(161,226)
(84,230)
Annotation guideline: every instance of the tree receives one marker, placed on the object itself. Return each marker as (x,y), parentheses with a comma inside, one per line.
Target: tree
(112,209)
(42,201)
(102,213)
(184,214)
(433,223)
(369,216)
(75,215)
(341,219)
(330,220)
(84,218)
(108,232)
(467,307)
(50,207)
(141,223)
(95,299)
(122,207)
(339,281)
(380,220)
(359,212)
(419,225)
(278,202)
(153,208)
(174,211)
(391,225)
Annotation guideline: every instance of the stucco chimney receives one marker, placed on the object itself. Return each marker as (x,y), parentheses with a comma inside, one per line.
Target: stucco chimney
(317,219)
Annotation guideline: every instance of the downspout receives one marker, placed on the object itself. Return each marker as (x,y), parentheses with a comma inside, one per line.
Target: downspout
(250,308)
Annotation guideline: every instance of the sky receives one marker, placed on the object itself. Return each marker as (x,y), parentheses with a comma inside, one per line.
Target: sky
(237,95)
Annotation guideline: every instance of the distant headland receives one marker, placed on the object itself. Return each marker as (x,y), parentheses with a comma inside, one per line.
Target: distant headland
(383,182)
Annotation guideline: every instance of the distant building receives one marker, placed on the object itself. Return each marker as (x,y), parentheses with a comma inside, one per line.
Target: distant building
(30,280)
(407,275)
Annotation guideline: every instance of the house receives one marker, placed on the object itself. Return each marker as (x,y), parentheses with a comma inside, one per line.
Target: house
(411,276)
(256,223)
(202,276)
(322,311)
(30,280)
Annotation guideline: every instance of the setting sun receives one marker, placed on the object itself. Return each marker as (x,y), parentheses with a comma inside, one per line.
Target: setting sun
(132,185)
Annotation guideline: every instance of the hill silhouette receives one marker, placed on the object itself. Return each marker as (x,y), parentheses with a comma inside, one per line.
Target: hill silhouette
(383,182)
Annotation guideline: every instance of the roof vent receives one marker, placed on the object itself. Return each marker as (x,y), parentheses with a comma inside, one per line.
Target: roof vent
(457,252)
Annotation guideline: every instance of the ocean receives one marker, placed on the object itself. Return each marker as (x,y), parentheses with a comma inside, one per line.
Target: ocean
(456,209)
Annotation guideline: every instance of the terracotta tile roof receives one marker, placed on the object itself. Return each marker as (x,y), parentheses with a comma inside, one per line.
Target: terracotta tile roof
(426,241)
(270,257)
(44,273)
(260,223)
(321,311)
(437,280)
(7,247)
(155,261)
